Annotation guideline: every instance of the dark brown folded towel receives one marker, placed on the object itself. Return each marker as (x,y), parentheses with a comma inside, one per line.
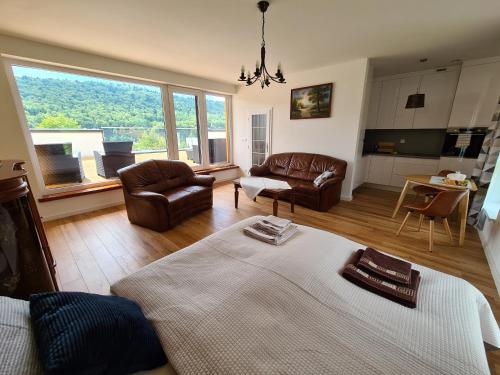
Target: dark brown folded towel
(404,295)
(386,266)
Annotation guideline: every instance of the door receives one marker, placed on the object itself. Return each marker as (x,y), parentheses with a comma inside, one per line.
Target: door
(478,93)
(260,125)
(388,103)
(380,170)
(373,105)
(185,108)
(439,89)
(404,116)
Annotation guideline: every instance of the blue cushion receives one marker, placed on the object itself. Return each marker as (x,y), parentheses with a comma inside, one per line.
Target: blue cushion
(81,333)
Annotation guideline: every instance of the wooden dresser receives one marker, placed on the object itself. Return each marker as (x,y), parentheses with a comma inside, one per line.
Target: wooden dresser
(26,264)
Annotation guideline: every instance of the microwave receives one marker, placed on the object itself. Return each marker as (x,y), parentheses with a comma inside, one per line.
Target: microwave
(463,142)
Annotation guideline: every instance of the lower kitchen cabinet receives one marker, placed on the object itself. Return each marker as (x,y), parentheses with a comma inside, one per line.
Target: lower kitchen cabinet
(465,166)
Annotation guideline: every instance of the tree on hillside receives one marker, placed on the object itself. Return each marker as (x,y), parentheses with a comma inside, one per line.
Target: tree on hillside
(58,122)
(150,140)
(317,96)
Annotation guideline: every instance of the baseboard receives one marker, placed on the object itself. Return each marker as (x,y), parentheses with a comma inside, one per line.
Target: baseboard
(80,211)
(495,268)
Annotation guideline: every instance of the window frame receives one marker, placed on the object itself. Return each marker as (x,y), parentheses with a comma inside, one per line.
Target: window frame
(166,91)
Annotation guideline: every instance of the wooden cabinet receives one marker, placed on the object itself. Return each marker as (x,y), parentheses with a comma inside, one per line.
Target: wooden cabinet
(457,164)
(388,97)
(26,263)
(404,116)
(439,89)
(477,96)
(380,169)
(412,166)
(388,102)
(373,104)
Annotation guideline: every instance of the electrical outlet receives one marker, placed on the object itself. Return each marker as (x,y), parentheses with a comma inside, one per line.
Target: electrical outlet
(402,140)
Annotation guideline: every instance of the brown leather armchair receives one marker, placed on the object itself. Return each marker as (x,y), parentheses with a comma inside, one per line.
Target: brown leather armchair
(299,170)
(159,194)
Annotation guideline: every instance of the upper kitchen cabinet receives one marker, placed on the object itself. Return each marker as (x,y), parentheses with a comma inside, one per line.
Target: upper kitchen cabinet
(373,104)
(439,89)
(404,116)
(477,95)
(389,95)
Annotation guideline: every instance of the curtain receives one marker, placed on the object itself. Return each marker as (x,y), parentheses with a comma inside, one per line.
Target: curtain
(483,171)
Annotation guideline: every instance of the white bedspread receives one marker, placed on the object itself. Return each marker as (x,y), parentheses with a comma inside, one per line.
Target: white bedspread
(252,186)
(229,304)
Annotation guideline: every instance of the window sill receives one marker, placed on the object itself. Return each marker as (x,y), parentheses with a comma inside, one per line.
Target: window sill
(115,186)
(79,192)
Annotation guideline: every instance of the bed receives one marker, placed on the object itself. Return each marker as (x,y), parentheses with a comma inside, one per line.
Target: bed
(230,304)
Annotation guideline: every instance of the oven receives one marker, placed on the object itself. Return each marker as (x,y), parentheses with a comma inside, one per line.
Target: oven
(463,142)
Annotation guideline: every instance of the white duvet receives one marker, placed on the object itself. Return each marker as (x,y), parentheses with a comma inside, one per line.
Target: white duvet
(229,304)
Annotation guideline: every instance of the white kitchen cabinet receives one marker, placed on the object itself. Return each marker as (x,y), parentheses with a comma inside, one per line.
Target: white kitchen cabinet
(389,96)
(380,169)
(412,166)
(477,96)
(373,105)
(404,116)
(457,164)
(439,89)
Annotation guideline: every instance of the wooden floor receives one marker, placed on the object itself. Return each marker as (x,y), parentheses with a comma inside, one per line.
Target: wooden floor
(94,250)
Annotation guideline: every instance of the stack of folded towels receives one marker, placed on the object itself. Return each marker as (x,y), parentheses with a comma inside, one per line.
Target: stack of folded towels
(272,230)
(384,275)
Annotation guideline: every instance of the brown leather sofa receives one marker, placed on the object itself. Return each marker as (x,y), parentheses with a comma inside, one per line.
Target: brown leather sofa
(300,170)
(161,193)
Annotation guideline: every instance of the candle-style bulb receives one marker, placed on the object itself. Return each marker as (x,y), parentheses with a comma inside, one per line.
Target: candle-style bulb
(243,69)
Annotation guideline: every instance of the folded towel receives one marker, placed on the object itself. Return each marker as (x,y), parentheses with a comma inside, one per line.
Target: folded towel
(272,225)
(386,266)
(404,295)
(254,232)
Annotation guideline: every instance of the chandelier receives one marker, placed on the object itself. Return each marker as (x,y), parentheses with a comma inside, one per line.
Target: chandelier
(261,74)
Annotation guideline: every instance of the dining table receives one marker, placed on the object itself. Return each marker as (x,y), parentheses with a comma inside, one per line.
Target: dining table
(425,180)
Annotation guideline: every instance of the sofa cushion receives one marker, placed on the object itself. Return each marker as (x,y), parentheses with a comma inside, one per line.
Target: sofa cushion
(299,167)
(278,163)
(186,196)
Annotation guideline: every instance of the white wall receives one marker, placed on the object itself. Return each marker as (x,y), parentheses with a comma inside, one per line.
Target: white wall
(335,136)
(490,238)
(13,144)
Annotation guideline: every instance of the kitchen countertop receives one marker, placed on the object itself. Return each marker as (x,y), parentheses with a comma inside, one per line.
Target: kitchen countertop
(422,156)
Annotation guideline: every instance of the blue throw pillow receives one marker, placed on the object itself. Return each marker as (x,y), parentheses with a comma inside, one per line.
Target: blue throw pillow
(81,333)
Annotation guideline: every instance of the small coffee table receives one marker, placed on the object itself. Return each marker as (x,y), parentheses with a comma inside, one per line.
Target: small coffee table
(275,194)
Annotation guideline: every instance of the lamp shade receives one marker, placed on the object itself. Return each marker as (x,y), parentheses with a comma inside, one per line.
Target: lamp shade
(415,101)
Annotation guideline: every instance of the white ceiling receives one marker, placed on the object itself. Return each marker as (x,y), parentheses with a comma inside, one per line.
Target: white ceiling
(214,38)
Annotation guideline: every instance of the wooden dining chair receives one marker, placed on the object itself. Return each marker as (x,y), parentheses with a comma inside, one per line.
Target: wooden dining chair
(442,205)
(427,191)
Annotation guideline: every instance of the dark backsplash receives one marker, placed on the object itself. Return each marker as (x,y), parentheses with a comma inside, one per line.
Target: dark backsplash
(417,141)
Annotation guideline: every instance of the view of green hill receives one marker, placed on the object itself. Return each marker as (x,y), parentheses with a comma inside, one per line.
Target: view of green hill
(93,104)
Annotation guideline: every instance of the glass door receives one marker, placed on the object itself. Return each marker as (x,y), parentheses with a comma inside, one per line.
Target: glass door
(260,147)
(184,105)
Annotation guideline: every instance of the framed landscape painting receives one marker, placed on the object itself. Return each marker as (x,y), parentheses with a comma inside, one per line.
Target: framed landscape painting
(311,102)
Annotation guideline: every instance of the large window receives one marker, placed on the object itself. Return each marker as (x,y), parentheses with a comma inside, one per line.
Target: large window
(85,127)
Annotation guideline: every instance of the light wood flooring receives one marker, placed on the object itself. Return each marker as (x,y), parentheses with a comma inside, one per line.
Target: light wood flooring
(94,250)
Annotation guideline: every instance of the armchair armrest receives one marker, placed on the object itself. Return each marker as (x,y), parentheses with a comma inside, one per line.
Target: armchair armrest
(260,170)
(331,181)
(150,196)
(202,180)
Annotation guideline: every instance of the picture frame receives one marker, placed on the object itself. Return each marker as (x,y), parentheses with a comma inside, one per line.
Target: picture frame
(311,102)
